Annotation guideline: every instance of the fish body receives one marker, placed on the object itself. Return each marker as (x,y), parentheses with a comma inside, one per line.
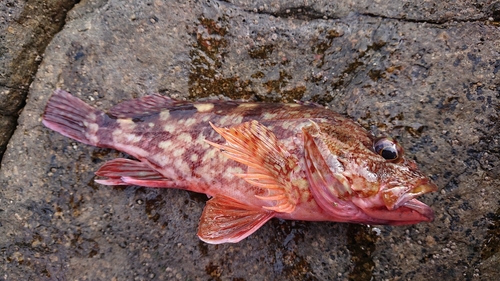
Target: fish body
(255,160)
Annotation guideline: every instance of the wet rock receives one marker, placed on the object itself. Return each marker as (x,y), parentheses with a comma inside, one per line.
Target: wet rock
(426,76)
(494,11)
(26,27)
(411,11)
(11,101)
(7,126)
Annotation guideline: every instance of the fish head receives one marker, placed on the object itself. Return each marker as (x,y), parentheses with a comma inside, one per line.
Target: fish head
(356,177)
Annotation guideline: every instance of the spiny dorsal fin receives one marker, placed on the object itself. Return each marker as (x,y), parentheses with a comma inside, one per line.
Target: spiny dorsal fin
(269,164)
(226,220)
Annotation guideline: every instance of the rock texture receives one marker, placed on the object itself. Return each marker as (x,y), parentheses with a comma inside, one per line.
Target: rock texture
(423,73)
(26,27)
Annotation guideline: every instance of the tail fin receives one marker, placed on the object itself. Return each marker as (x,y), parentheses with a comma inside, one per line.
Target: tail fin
(72,117)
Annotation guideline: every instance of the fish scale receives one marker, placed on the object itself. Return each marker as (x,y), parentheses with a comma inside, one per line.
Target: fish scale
(256,160)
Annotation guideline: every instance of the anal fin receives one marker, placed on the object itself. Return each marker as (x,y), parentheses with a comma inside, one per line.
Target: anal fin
(226,220)
(130,172)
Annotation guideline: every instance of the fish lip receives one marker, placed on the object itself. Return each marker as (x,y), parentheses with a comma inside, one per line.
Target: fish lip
(421,208)
(393,200)
(418,206)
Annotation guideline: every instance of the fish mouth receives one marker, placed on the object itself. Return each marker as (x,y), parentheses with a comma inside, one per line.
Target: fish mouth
(421,208)
(398,197)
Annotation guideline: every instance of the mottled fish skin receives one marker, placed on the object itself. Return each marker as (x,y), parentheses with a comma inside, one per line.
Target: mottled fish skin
(193,146)
(173,140)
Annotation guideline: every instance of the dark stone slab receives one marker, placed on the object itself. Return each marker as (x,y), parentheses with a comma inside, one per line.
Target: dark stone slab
(26,27)
(430,81)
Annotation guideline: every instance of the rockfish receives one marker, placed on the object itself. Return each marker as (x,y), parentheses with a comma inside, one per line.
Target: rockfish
(256,161)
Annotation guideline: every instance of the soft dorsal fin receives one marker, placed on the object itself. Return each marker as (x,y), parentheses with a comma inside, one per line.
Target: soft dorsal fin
(144,106)
(226,220)
(269,164)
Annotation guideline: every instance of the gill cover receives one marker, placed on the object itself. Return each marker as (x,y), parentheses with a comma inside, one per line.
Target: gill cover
(328,186)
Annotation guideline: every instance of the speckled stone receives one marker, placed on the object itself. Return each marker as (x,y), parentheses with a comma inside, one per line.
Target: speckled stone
(426,75)
(26,28)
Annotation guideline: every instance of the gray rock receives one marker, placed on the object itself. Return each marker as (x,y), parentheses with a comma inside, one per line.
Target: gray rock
(26,27)
(423,74)
(406,10)
(7,127)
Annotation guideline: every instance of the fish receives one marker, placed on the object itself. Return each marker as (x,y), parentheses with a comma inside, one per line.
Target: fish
(255,161)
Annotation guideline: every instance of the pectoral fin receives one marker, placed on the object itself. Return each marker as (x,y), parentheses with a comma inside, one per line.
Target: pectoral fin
(270,165)
(130,172)
(225,220)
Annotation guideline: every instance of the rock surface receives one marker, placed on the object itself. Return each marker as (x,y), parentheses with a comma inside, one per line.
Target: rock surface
(26,27)
(427,75)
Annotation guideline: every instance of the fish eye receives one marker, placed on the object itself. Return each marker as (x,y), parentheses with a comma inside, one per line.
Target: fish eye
(388,148)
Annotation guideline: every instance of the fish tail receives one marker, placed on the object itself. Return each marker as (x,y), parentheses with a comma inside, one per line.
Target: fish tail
(72,117)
